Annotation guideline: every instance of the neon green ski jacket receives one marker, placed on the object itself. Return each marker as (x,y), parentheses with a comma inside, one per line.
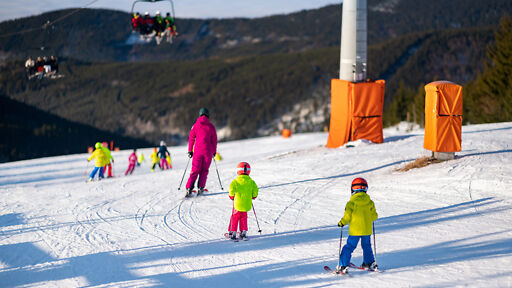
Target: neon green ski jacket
(108,154)
(242,190)
(360,213)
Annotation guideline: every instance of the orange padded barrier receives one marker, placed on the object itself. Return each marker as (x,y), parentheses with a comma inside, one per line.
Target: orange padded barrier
(286,133)
(443,117)
(356,112)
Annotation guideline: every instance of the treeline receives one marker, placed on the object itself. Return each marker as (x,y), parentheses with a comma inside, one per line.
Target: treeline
(154,99)
(30,133)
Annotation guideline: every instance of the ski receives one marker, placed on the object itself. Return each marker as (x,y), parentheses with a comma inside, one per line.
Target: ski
(352,265)
(195,194)
(329,270)
(229,237)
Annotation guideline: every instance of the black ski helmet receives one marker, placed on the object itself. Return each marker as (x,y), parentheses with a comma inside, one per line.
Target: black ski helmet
(204,111)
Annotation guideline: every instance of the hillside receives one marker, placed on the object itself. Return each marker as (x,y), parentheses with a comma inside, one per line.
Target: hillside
(30,133)
(101,35)
(248,96)
(256,75)
(444,225)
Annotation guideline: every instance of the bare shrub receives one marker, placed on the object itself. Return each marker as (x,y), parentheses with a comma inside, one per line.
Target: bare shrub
(418,163)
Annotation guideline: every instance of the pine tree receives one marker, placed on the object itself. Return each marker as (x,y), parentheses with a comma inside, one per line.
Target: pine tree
(489,99)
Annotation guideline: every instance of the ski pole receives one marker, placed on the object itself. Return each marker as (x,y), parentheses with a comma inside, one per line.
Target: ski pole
(230,218)
(218,174)
(184,174)
(374,243)
(341,241)
(257,223)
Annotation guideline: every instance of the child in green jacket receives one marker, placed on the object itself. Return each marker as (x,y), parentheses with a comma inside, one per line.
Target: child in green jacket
(242,191)
(360,213)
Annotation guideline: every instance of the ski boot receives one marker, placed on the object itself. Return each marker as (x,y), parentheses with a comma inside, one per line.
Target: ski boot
(372,266)
(341,269)
(232,235)
(189,192)
(200,191)
(243,235)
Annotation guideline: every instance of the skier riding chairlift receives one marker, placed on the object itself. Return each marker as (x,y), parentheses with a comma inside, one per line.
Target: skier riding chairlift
(154,27)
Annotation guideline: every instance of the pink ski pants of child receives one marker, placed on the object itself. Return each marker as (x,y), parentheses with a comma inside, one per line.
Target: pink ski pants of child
(131,166)
(238,217)
(164,164)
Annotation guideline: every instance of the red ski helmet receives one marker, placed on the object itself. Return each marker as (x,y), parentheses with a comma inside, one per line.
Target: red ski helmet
(359,185)
(243,168)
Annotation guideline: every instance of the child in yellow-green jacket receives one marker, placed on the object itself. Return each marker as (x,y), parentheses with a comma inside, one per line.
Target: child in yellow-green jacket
(99,162)
(242,191)
(155,160)
(360,213)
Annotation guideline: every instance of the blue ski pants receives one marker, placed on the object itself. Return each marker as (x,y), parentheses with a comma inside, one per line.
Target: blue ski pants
(352,241)
(93,173)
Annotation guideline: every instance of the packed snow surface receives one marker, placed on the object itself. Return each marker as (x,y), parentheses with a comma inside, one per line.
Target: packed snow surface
(447,224)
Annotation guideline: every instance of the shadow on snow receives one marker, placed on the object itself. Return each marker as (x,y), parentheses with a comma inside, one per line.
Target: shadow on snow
(28,264)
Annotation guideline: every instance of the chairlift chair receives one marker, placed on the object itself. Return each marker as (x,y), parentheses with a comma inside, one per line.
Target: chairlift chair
(149,37)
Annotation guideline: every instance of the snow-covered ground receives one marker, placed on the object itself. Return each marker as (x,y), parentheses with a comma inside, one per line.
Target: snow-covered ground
(444,225)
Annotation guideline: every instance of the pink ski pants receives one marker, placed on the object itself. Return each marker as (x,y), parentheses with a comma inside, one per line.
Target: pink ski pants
(200,166)
(237,218)
(131,166)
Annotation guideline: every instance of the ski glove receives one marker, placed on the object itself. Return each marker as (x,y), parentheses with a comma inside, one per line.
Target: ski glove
(340,224)
(190,154)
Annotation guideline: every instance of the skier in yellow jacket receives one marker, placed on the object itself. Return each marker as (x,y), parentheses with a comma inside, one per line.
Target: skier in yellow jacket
(242,191)
(154,159)
(100,160)
(360,213)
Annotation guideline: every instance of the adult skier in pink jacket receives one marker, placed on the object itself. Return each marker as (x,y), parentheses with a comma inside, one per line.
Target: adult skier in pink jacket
(202,147)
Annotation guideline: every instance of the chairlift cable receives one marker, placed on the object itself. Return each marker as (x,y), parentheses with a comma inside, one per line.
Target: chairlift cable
(49,23)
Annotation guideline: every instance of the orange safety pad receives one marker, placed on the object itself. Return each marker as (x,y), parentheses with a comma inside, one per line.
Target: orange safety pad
(443,117)
(339,131)
(369,128)
(368,98)
(356,112)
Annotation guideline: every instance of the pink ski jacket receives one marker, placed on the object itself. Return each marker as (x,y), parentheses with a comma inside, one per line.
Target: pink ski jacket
(203,138)
(133,158)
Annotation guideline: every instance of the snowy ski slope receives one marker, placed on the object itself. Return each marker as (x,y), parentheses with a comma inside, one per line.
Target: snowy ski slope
(444,225)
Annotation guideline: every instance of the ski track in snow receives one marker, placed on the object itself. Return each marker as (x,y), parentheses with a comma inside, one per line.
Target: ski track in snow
(436,224)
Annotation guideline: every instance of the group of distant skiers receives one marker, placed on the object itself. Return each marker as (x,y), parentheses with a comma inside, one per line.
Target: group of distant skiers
(103,159)
(157,26)
(360,210)
(42,66)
